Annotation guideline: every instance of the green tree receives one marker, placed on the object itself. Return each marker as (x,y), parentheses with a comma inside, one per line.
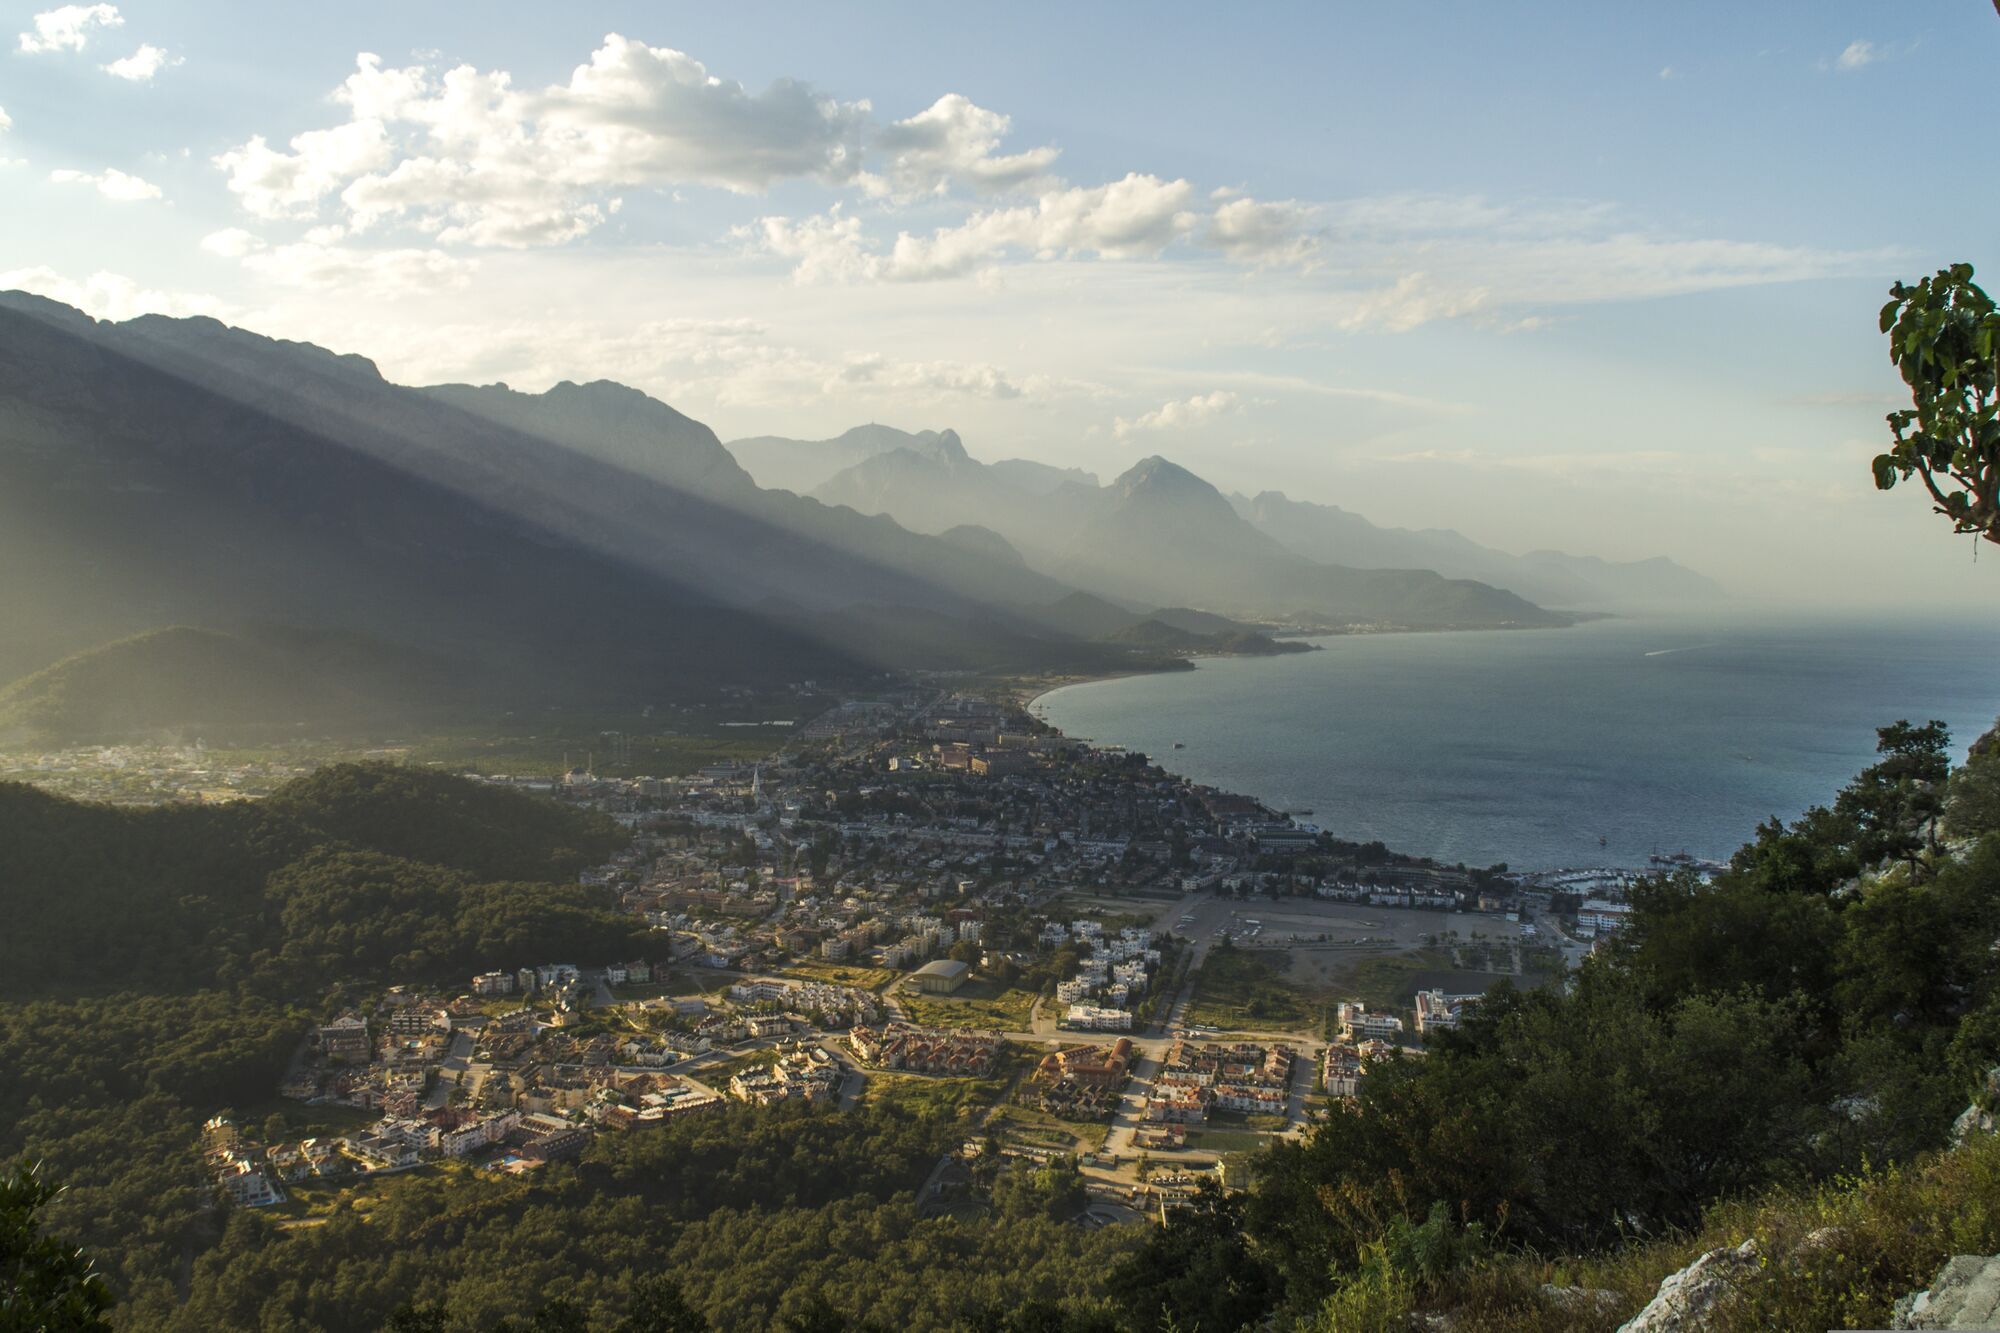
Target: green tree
(1944,339)
(659,1306)
(46,1283)
(1197,1271)
(1893,805)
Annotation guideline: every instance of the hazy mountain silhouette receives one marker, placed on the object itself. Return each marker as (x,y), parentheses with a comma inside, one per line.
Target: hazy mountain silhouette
(1333,535)
(1158,535)
(589,539)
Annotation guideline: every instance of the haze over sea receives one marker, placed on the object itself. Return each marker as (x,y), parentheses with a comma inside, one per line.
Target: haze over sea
(1528,747)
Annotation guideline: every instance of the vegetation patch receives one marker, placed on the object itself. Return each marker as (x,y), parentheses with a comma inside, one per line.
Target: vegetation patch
(1247,989)
(976,1004)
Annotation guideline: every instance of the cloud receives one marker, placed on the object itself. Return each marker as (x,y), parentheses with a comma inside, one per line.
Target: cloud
(231,243)
(141,65)
(317,262)
(950,377)
(111,183)
(1858,55)
(108,295)
(468,158)
(1138,216)
(6,121)
(1179,415)
(68,28)
(1261,233)
(952,142)
(270,183)
(1413,301)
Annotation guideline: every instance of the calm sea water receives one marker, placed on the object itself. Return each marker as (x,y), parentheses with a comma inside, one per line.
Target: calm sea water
(1529,746)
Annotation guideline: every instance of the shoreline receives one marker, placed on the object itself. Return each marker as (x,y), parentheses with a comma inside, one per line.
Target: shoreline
(1051,685)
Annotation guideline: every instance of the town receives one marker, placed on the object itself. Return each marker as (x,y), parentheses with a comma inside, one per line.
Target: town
(1121,969)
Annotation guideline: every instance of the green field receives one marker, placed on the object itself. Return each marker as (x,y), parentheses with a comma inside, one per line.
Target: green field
(1248,989)
(1392,981)
(1226,1140)
(1032,1125)
(976,1004)
(642,756)
(923,1093)
(840,974)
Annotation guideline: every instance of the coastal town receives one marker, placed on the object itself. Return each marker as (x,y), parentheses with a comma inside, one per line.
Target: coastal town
(1120,968)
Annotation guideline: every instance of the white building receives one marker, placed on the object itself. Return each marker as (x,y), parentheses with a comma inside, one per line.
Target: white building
(1092,1018)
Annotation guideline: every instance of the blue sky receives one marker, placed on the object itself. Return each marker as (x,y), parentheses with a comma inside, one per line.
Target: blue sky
(1593,276)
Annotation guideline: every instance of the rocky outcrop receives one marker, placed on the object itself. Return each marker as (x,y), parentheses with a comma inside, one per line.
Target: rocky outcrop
(1980,1117)
(1686,1298)
(1964,1295)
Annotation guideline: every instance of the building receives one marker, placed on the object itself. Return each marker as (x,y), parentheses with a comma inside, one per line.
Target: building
(1438,1012)
(1093,1018)
(941,977)
(1599,917)
(1341,1071)
(493,983)
(346,1039)
(1357,1024)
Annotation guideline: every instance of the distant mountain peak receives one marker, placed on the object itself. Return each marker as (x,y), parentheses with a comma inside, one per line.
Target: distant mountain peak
(1156,478)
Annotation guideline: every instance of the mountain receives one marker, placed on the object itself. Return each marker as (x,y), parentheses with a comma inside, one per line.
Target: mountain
(587,542)
(802,465)
(1331,535)
(1039,478)
(1157,536)
(186,680)
(1160,534)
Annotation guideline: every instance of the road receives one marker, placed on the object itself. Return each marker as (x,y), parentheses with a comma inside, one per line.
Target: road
(457,1061)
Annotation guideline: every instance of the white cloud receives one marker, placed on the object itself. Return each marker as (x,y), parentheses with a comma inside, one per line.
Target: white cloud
(644,113)
(141,65)
(108,295)
(111,183)
(230,243)
(952,142)
(68,28)
(1136,217)
(468,158)
(946,377)
(6,121)
(1261,233)
(1413,301)
(319,263)
(1179,414)
(270,183)
(1858,55)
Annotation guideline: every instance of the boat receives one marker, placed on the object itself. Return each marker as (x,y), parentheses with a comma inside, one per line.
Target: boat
(1180,745)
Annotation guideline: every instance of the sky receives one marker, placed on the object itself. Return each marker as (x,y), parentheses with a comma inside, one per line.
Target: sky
(1595,277)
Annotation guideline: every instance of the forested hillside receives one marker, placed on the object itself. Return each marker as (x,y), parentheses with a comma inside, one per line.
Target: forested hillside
(355,871)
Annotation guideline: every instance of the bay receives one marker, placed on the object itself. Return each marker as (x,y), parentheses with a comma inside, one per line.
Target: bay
(1529,747)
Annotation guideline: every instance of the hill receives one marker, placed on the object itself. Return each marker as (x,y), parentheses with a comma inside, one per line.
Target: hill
(1157,634)
(1331,535)
(801,466)
(345,872)
(186,681)
(1160,534)
(584,543)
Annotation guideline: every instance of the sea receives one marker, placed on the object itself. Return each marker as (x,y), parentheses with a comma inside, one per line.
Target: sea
(1603,744)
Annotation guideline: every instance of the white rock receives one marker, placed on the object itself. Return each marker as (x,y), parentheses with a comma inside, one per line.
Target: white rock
(1685,1299)
(1964,1295)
